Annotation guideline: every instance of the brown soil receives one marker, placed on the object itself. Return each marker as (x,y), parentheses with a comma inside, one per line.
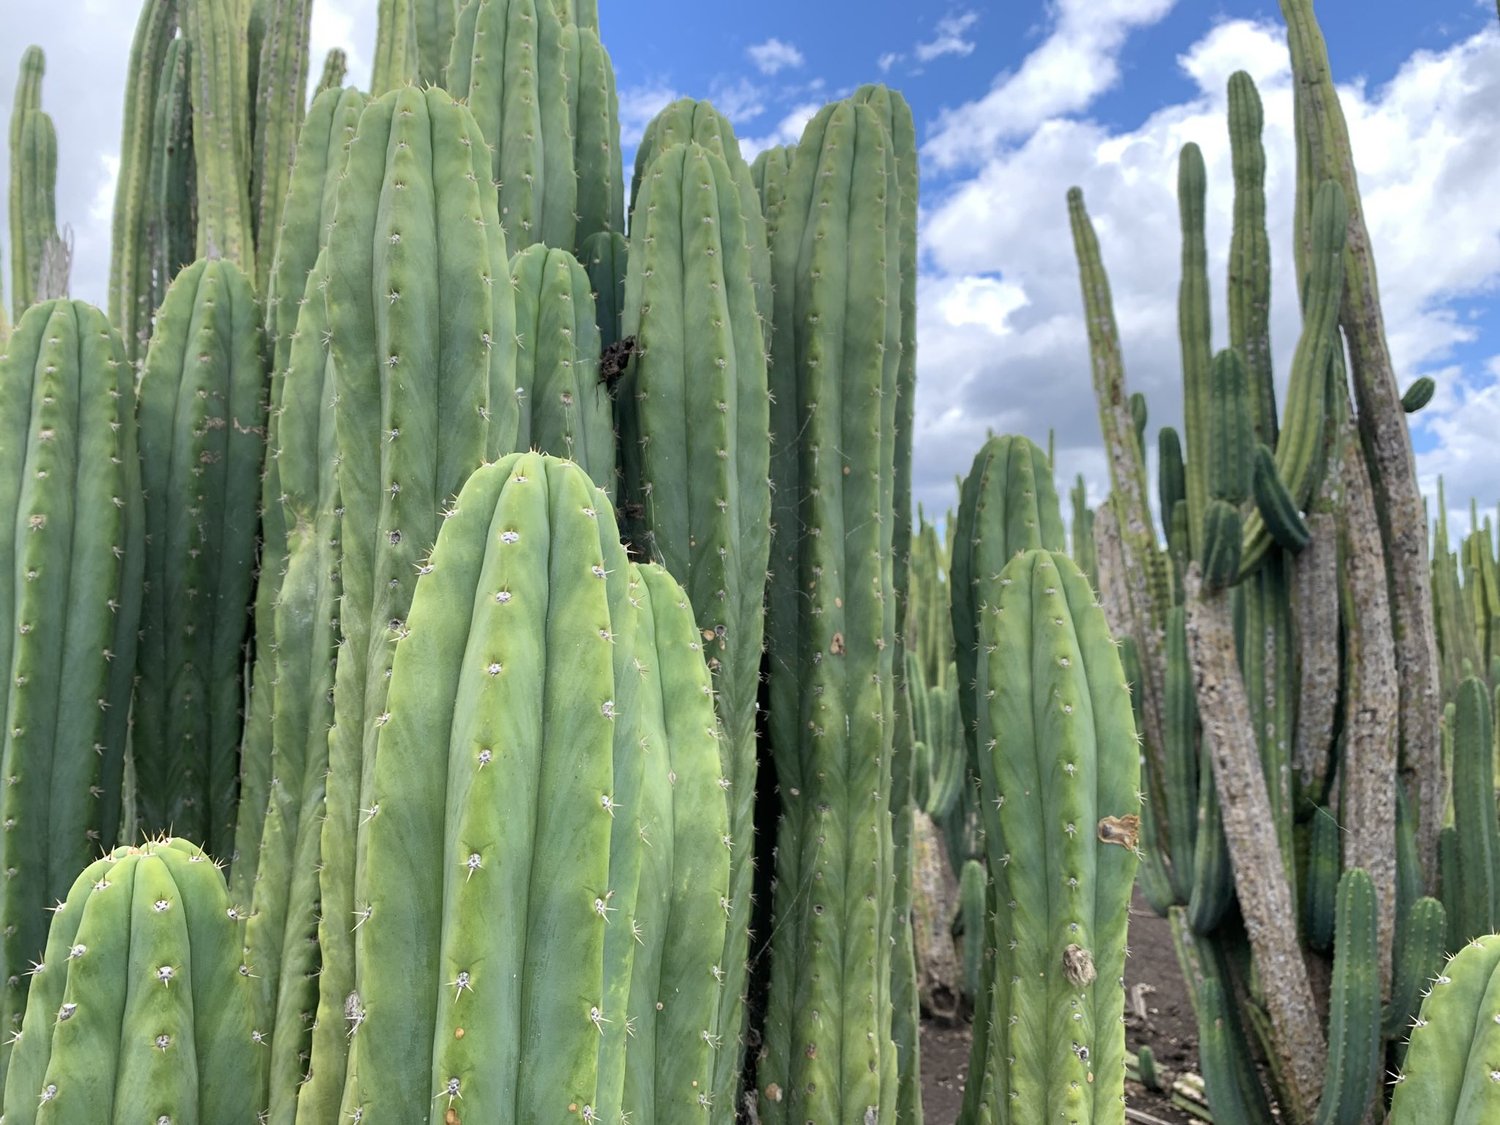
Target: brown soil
(1152,975)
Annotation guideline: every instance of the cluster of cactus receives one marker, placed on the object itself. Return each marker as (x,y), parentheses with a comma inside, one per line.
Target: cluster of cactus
(589,633)
(1280,641)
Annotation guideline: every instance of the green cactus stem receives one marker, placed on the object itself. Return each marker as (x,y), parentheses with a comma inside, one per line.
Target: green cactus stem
(71,491)
(509,62)
(202,431)
(33,185)
(1060,769)
(140,1008)
(221,121)
(594,109)
(694,413)
(564,408)
(422,398)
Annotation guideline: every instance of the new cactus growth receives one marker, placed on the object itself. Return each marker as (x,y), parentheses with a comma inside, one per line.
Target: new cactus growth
(564,408)
(140,1008)
(70,490)
(202,433)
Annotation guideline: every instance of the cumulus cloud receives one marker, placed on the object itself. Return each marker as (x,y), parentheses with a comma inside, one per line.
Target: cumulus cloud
(788,131)
(1074,65)
(950,38)
(774,56)
(1002,343)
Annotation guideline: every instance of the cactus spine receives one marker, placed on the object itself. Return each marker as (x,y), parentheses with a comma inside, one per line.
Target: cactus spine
(417,409)
(202,432)
(509,61)
(139,1010)
(70,486)
(694,420)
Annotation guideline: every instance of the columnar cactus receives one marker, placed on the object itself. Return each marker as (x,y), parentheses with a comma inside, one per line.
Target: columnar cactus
(829,1055)
(1059,763)
(133,254)
(604,255)
(140,1008)
(306,215)
(33,183)
(1448,1075)
(564,408)
(70,488)
(524,728)
(221,123)
(396,51)
(169,199)
(202,432)
(694,420)
(690,120)
(423,354)
(595,128)
(278,60)
(509,62)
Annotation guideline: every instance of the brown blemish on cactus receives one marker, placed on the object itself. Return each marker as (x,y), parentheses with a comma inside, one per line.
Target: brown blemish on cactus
(1122,830)
(1078,966)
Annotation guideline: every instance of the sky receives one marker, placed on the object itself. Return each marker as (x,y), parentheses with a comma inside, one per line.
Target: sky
(1015,101)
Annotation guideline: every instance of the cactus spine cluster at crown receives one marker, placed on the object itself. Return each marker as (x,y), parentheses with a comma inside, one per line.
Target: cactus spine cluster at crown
(70,486)
(140,1006)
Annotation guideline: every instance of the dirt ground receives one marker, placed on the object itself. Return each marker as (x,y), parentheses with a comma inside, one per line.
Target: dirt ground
(1151,974)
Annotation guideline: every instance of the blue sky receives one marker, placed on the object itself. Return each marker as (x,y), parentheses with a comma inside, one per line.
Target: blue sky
(1015,102)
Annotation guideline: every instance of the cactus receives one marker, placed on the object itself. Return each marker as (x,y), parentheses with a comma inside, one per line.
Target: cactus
(329,125)
(509,62)
(221,144)
(973,925)
(71,490)
(1354,1056)
(564,409)
(768,170)
(1418,394)
(1472,897)
(170,201)
(280,89)
(689,120)
(694,419)
(1060,774)
(594,124)
(139,1009)
(202,433)
(522,689)
(829,1054)
(1008,504)
(1447,1074)
(679,1034)
(604,256)
(335,68)
(134,253)
(417,409)
(396,50)
(33,184)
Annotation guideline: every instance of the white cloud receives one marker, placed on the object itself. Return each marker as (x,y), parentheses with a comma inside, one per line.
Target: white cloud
(774,55)
(1074,65)
(950,38)
(740,100)
(888,60)
(996,244)
(638,105)
(788,130)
